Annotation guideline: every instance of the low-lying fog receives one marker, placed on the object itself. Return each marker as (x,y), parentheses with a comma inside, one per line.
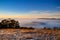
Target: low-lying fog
(38,23)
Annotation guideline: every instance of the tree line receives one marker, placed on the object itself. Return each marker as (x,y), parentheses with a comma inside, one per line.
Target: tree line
(53,28)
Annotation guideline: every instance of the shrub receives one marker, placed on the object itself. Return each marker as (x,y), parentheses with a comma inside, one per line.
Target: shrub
(9,23)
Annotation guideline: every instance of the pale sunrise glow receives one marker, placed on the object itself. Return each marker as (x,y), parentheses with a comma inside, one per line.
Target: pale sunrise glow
(29,9)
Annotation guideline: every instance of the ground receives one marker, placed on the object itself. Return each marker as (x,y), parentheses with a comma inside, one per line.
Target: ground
(28,34)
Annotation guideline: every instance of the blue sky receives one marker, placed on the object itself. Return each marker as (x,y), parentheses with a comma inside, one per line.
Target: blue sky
(24,7)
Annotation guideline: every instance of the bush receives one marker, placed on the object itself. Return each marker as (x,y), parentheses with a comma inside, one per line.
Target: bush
(56,28)
(9,23)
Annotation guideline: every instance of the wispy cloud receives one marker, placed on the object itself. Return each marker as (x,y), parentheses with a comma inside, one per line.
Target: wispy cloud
(58,7)
(32,14)
(45,14)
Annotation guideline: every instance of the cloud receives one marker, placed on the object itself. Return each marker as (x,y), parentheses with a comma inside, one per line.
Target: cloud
(58,7)
(44,14)
(31,14)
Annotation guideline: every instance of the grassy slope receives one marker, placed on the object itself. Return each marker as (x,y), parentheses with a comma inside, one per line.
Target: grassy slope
(21,31)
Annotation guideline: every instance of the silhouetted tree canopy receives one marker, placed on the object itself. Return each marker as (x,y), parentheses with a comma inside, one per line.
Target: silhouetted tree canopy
(9,23)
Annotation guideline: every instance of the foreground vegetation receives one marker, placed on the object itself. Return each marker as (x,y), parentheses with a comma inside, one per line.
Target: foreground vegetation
(28,34)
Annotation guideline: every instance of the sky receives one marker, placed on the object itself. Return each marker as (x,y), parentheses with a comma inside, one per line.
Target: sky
(29,8)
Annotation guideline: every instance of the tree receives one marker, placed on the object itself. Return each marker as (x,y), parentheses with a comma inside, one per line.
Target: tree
(9,23)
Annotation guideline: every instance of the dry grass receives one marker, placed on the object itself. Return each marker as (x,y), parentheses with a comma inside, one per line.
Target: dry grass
(56,33)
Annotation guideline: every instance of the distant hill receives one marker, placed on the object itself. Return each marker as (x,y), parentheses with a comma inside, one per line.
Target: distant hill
(50,18)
